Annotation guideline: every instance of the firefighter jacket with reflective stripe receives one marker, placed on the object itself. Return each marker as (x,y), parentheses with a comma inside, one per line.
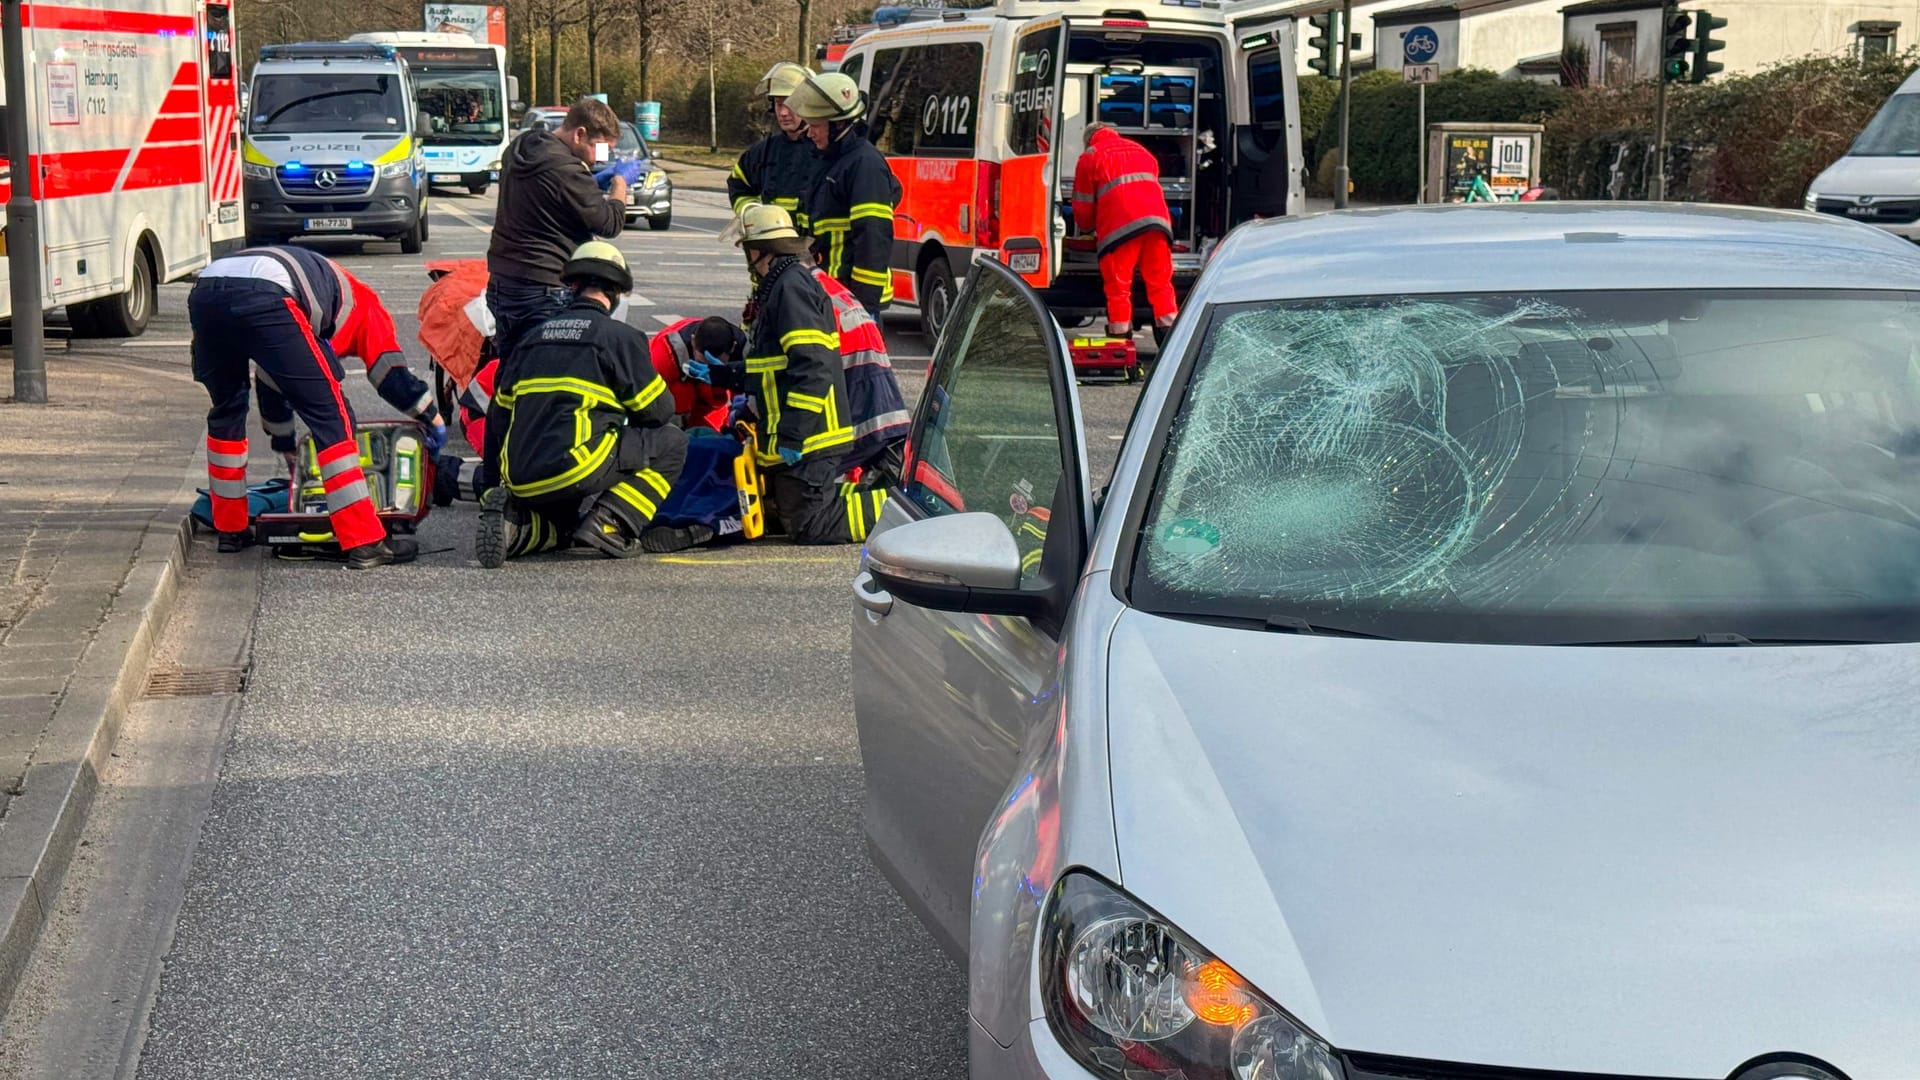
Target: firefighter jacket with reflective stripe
(874,402)
(793,369)
(699,404)
(578,379)
(852,218)
(776,170)
(1116,192)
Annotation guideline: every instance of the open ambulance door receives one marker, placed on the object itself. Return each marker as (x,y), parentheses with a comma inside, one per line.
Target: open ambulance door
(1030,223)
(1267,168)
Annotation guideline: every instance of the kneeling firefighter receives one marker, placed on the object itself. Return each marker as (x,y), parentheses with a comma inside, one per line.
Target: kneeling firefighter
(793,375)
(587,421)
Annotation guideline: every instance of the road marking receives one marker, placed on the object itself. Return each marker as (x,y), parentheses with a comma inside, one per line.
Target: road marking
(466,215)
(667,320)
(690,560)
(683,264)
(157,343)
(636,300)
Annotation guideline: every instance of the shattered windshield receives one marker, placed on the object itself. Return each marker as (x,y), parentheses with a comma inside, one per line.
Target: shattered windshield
(1570,467)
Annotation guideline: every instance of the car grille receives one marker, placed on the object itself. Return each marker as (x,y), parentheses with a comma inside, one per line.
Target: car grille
(1880,211)
(328,209)
(1376,1067)
(306,183)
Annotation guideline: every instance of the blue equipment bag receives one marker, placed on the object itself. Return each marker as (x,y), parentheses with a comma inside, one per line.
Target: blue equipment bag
(705,494)
(267,498)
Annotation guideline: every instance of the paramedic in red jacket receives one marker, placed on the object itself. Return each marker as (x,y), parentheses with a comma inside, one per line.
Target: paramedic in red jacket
(1117,196)
(712,340)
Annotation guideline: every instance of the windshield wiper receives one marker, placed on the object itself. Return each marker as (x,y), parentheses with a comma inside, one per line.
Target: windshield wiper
(1294,624)
(1724,639)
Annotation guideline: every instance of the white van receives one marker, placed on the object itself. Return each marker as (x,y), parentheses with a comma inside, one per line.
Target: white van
(981,115)
(1878,181)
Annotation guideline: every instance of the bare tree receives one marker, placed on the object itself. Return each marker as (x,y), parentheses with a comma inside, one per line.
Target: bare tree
(599,18)
(650,17)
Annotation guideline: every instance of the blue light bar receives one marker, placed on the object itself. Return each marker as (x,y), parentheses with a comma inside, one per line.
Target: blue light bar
(294,166)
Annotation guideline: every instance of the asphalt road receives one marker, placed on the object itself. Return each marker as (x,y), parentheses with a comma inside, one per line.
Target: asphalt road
(572,818)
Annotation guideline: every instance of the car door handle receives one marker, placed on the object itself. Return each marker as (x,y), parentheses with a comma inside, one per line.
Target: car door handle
(869,595)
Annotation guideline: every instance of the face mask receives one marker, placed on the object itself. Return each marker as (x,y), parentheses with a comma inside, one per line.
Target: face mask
(601,152)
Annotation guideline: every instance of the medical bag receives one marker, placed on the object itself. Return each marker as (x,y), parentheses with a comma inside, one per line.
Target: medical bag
(399,473)
(1104,358)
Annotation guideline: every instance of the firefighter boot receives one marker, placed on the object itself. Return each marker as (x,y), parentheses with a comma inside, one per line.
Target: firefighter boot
(231,542)
(381,552)
(500,530)
(603,531)
(663,539)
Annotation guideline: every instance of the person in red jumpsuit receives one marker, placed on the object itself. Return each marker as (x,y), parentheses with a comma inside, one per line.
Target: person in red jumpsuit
(1117,197)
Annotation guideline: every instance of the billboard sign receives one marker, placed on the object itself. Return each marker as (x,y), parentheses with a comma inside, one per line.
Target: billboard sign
(485,23)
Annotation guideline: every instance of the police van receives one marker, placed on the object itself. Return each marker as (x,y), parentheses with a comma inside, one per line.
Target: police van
(133,153)
(334,145)
(981,114)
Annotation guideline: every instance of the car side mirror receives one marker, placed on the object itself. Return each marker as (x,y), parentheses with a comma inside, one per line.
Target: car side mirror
(962,562)
(422,124)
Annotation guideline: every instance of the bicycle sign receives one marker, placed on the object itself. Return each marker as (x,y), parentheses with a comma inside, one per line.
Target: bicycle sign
(1421,45)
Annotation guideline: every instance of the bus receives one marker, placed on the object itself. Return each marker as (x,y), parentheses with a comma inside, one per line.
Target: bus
(464,89)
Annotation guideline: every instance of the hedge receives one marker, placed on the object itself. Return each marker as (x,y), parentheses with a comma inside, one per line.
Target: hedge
(1756,139)
(1384,162)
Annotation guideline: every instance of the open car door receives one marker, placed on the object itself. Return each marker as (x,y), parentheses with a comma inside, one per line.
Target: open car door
(943,698)
(1267,168)
(1029,238)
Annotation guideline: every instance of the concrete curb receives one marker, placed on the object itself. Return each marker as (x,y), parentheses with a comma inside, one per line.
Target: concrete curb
(43,823)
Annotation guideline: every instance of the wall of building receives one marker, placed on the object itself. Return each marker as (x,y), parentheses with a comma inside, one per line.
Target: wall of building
(1362,22)
(1758,32)
(1584,29)
(1497,40)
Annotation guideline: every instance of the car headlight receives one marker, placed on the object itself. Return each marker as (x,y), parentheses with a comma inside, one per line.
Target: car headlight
(1130,996)
(395,168)
(256,172)
(654,178)
(496,165)
(1812,202)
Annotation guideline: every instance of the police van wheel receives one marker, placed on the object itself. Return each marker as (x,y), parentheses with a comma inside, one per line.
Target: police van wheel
(935,291)
(415,239)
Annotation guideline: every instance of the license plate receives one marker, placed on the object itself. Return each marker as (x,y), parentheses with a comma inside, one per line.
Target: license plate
(329,224)
(446,178)
(1024,262)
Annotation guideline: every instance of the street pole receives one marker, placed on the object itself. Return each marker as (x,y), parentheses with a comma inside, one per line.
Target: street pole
(1657,183)
(1421,143)
(1340,175)
(23,222)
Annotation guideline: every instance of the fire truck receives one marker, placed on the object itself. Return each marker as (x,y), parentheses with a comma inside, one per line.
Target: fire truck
(981,114)
(133,152)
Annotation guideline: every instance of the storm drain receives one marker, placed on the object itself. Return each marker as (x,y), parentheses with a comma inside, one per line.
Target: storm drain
(197,682)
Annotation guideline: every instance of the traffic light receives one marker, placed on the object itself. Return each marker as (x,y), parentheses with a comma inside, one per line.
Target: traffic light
(1705,45)
(1324,43)
(1675,46)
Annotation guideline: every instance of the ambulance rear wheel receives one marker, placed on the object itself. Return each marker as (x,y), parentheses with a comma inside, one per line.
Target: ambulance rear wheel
(936,292)
(125,315)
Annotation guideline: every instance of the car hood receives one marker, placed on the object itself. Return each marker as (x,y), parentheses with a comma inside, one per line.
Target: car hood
(1853,175)
(1638,861)
(320,149)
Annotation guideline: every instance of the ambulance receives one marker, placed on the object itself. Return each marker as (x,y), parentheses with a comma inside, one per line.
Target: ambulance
(982,114)
(133,153)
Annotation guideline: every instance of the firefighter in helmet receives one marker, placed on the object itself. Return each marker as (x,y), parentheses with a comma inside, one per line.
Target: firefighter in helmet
(779,169)
(793,376)
(851,208)
(587,421)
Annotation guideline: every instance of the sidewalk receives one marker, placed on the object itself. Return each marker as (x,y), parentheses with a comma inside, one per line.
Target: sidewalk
(695,177)
(94,491)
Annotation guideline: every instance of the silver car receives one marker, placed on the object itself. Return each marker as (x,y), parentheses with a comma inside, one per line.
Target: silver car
(1494,657)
